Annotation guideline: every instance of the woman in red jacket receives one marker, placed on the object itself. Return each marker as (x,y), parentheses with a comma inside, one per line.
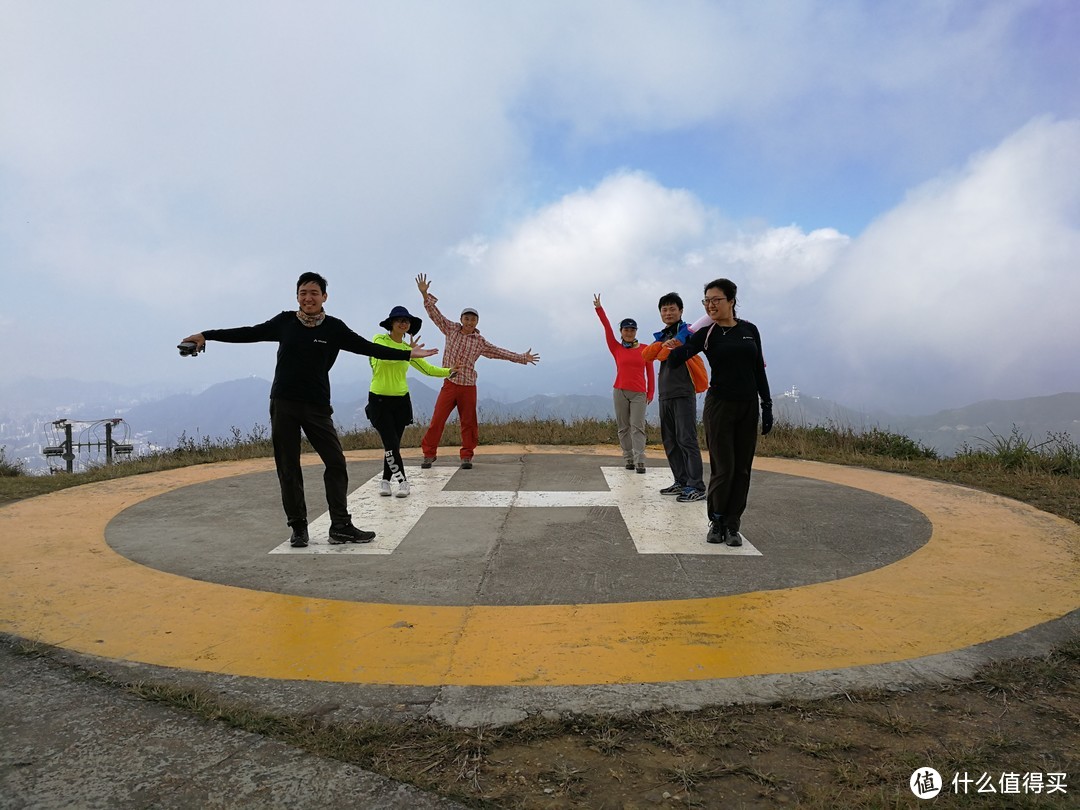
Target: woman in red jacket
(635,385)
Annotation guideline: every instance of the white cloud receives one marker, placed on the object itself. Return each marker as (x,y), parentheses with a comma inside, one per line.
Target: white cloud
(632,240)
(971,282)
(627,228)
(184,162)
(777,260)
(966,288)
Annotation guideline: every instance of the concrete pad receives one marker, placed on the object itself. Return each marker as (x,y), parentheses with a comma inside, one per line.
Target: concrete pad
(495,605)
(457,540)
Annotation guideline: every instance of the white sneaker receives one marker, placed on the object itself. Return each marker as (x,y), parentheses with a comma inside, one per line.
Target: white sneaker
(384,489)
(402,490)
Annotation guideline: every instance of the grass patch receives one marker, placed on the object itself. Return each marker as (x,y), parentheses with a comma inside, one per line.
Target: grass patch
(10,468)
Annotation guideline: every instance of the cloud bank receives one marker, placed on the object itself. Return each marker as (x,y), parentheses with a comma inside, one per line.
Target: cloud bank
(172,167)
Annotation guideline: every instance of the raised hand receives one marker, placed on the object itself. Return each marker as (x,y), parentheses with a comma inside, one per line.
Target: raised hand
(419,351)
(596,300)
(530,358)
(423,284)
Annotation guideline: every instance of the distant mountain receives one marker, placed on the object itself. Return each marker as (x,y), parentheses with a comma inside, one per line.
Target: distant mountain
(796,408)
(159,419)
(214,412)
(30,395)
(949,430)
(566,407)
(976,425)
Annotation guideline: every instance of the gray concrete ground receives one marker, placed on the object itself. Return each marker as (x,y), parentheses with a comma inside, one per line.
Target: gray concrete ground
(72,742)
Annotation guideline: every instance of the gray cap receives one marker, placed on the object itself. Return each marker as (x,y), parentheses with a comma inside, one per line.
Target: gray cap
(469,311)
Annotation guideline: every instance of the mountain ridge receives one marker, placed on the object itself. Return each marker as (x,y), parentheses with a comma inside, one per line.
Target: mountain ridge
(242,405)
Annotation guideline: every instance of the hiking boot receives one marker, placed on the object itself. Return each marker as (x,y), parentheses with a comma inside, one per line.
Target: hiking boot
(717,531)
(299,537)
(641,469)
(403,490)
(347,533)
(734,539)
(384,489)
(427,462)
(466,464)
(629,464)
(689,495)
(674,489)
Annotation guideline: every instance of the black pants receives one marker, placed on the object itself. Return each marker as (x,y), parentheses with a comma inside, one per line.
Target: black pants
(731,438)
(678,431)
(287,418)
(390,416)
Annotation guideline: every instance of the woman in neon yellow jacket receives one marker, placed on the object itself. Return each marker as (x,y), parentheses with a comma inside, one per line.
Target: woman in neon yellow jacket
(389,407)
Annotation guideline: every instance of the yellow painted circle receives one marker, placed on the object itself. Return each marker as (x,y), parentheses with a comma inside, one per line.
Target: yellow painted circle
(992,567)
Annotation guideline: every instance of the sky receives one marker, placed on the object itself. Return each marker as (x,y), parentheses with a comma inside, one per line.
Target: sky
(894,187)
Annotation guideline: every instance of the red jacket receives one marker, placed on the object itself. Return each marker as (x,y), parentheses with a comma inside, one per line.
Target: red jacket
(632,371)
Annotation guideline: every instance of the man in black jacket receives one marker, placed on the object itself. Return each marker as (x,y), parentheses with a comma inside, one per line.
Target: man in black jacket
(308,344)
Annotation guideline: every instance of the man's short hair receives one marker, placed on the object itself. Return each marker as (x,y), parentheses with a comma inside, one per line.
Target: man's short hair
(307,278)
(670,298)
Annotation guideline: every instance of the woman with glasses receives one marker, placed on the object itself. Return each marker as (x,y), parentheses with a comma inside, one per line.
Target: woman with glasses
(737,383)
(635,384)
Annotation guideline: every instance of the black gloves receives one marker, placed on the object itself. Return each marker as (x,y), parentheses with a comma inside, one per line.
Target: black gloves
(766,417)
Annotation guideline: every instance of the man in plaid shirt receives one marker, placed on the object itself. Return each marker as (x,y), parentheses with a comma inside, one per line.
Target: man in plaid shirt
(464,346)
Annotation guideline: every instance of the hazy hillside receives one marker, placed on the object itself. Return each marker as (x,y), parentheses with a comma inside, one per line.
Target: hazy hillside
(156,419)
(974,424)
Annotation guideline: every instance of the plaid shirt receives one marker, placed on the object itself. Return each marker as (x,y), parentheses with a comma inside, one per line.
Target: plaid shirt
(464,350)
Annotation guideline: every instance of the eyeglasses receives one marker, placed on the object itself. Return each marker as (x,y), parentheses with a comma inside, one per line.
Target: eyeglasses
(712,301)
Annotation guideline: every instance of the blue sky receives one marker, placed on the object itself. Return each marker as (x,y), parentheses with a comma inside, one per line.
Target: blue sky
(895,188)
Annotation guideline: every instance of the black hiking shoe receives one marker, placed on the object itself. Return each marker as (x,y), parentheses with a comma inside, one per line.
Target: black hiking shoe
(734,539)
(299,537)
(347,533)
(466,464)
(427,462)
(717,531)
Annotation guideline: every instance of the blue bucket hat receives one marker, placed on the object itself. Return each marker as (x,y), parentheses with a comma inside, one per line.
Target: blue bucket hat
(401,312)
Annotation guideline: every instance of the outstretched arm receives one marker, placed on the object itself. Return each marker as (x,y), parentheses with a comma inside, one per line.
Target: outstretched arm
(493,352)
(612,344)
(267,331)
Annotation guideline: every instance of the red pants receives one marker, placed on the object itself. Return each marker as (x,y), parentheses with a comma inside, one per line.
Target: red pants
(462,397)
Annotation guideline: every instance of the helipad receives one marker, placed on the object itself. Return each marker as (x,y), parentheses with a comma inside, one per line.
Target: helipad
(541,567)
